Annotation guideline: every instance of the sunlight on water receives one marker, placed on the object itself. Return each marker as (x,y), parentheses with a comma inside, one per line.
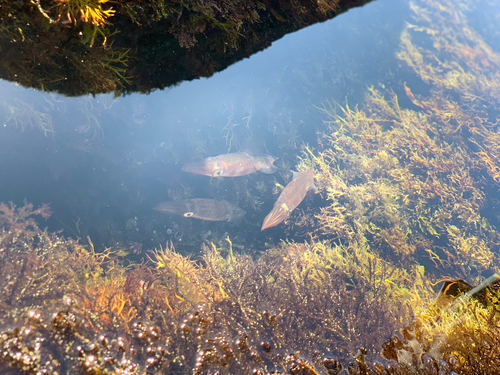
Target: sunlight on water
(388,118)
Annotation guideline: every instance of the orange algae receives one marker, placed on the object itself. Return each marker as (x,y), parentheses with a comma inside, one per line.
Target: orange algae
(176,314)
(405,186)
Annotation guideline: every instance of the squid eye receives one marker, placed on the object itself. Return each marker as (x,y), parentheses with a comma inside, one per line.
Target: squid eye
(188,214)
(218,173)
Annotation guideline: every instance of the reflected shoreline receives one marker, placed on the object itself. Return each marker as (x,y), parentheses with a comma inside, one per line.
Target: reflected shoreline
(123,47)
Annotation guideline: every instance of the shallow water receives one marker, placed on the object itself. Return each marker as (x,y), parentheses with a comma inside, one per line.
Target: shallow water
(395,107)
(105,162)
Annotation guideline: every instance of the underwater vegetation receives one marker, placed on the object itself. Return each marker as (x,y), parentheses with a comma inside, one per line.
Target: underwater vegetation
(49,115)
(310,308)
(66,308)
(461,324)
(24,116)
(410,178)
(418,180)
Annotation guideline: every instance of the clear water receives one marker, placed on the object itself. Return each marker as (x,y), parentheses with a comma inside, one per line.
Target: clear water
(105,162)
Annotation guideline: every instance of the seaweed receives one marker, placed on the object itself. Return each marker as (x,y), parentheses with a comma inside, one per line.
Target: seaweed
(406,177)
(414,180)
(298,306)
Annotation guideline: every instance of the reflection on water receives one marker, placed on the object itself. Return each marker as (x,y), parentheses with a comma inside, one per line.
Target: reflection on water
(105,160)
(399,122)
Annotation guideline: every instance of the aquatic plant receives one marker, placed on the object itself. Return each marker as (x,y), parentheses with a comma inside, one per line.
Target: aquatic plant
(397,180)
(224,312)
(24,116)
(456,332)
(405,185)
(311,308)
(413,180)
